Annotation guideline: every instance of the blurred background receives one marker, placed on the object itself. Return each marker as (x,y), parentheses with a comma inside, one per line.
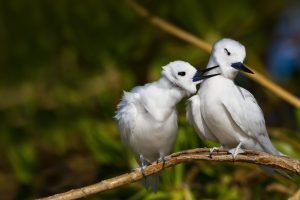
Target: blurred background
(64,65)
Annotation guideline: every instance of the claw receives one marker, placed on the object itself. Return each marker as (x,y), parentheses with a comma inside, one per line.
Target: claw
(164,162)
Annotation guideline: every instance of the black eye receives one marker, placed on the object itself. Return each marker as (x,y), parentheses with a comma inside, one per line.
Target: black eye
(181,73)
(228,53)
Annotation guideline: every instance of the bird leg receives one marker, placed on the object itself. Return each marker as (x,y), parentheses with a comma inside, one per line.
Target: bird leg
(235,151)
(142,165)
(215,149)
(161,158)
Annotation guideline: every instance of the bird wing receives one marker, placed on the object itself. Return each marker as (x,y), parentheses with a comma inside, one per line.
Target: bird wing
(247,114)
(126,115)
(152,100)
(194,118)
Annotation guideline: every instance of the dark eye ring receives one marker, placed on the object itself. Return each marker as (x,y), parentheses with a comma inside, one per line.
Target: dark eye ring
(228,53)
(181,73)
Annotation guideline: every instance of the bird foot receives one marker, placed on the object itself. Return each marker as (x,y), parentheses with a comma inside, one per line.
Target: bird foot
(161,159)
(142,171)
(235,151)
(145,179)
(142,165)
(215,149)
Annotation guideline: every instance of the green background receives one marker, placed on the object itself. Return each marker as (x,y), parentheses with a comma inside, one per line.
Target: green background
(63,67)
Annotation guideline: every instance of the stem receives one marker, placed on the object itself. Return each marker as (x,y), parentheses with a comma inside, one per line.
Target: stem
(196,41)
(255,157)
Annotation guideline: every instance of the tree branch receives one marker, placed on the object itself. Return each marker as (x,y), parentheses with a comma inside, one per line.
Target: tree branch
(260,158)
(295,196)
(196,41)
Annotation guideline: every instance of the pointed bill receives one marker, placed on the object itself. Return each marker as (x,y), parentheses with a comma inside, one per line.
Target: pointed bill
(200,74)
(242,67)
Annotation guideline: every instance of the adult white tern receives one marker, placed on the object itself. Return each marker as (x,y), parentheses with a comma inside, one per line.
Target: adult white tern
(224,112)
(147,117)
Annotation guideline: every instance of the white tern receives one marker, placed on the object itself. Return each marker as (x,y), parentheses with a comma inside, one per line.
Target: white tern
(147,116)
(225,113)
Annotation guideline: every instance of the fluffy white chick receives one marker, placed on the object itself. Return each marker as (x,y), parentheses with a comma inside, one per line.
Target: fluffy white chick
(147,116)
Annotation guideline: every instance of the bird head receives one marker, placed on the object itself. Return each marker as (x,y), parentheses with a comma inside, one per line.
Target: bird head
(181,74)
(229,55)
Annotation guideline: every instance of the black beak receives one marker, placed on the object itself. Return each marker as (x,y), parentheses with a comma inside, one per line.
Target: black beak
(241,66)
(200,74)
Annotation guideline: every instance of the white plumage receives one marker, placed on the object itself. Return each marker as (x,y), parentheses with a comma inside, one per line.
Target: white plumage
(224,112)
(147,117)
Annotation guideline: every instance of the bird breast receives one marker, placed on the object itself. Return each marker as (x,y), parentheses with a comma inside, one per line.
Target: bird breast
(151,137)
(216,118)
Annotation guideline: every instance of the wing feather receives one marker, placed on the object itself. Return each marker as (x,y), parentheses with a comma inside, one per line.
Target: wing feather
(126,116)
(247,114)
(195,118)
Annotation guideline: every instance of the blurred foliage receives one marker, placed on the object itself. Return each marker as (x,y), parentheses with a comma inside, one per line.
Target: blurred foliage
(63,66)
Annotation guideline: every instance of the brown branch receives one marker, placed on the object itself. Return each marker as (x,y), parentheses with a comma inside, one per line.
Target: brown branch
(168,27)
(196,41)
(278,162)
(295,196)
(284,189)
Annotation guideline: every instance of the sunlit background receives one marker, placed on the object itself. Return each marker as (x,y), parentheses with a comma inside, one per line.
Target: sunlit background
(64,65)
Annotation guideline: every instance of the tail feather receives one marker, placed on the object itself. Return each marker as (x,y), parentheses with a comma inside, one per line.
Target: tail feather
(271,171)
(151,182)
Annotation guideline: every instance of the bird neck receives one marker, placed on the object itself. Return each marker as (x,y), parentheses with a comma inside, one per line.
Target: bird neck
(226,70)
(174,92)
